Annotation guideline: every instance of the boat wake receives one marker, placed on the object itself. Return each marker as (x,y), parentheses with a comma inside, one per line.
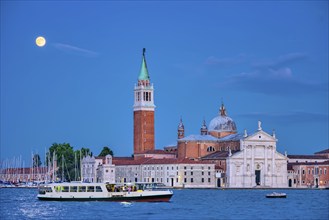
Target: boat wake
(126,204)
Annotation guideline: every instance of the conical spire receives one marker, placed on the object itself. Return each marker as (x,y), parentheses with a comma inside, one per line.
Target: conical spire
(181,125)
(180,130)
(144,75)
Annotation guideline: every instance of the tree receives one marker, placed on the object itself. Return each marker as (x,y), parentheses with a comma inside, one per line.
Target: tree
(106,150)
(67,160)
(36,160)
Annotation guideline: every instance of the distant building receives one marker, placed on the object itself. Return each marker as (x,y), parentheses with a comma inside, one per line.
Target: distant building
(89,165)
(309,171)
(170,171)
(106,170)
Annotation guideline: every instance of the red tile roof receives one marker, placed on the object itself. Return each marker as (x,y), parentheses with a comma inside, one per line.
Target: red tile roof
(307,157)
(158,161)
(157,152)
(323,152)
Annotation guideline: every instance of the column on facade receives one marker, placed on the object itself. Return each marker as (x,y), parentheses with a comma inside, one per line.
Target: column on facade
(266,165)
(245,170)
(252,165)
(273,167)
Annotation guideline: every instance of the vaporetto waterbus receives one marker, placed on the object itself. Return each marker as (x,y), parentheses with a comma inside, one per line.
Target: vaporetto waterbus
(80,191)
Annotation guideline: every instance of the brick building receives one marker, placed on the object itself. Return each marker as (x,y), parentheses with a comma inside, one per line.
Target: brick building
(309,171)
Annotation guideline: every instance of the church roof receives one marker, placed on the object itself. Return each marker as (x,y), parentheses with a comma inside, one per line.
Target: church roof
(198,137)
(218,155)
(232,137)
(144,75)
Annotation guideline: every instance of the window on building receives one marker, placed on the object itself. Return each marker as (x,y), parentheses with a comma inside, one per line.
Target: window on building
(191,173)
(184,173)
(303,171)
(209,180)
(191,180)
(202,173)
(320,171)
(309,171)
(184,180)
(210,149)
(202,180)
(208,173)
(167,180)
(184,168)
(325,171)
(208,168)
(191,168)
(176,180)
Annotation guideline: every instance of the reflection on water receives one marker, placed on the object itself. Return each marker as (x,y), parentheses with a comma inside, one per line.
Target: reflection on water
(185,204)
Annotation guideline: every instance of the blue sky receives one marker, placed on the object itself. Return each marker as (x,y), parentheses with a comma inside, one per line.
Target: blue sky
(267,61)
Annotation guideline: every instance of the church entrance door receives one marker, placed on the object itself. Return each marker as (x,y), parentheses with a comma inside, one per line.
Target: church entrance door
(290,182)
(257,174)
(218,182)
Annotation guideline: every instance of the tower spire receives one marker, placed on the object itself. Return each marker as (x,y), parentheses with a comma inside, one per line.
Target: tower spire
(144,75)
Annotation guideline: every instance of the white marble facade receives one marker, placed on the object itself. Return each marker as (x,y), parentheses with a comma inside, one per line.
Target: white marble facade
(258,164)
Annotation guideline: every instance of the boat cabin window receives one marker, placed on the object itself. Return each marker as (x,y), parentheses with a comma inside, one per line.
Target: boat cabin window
(82,189)
(99,189)
(90,189)
(43,190)
(73,188)
(65,188)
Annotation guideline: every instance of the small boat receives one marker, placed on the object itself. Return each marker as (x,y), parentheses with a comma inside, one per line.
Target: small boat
(80,191)
(276,195)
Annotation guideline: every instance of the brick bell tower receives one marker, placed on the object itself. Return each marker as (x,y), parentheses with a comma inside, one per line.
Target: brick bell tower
(143,111)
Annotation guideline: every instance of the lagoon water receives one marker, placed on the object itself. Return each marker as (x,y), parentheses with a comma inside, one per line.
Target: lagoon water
(19,203)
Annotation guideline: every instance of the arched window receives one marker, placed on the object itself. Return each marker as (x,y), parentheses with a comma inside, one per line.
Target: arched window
(210,149)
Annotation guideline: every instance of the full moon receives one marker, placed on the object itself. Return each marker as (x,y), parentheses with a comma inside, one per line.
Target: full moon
(40,41)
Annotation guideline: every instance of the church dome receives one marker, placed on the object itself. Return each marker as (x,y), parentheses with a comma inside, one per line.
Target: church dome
(222,123)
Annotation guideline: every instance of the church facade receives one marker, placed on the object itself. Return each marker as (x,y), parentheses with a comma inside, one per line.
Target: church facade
(257,164)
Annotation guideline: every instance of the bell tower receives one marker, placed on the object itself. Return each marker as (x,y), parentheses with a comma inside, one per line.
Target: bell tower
(143,111)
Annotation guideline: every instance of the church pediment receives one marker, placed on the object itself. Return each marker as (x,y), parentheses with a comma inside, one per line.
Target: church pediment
(260,136)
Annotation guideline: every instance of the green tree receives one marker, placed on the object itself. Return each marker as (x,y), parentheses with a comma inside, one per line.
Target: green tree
(36,160)
(106,150)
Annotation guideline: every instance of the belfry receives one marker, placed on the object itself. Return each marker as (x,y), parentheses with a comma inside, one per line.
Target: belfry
(143,111)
